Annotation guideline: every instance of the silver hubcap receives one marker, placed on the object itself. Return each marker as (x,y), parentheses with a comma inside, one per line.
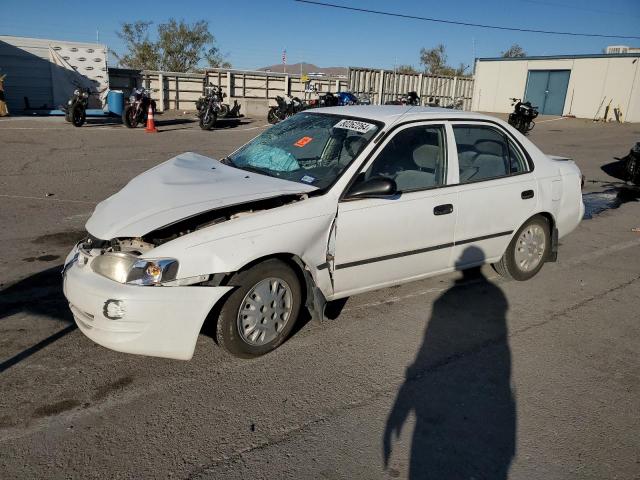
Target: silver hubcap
(530,248)
(265,311)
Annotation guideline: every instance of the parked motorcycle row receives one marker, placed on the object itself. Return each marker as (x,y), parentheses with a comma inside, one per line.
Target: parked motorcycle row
(211,107)
(288,105)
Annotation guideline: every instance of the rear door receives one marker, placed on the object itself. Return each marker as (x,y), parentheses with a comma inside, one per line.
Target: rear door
(496,194)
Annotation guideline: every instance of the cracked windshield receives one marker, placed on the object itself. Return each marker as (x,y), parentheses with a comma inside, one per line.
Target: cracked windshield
(307,148)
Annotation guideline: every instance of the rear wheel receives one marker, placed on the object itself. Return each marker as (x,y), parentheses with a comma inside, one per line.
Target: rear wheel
(78,115)
(527,252)
(259,315)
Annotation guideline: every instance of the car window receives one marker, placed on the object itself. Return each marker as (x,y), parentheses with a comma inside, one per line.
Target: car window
(415,158)
(483,153)
(517,163)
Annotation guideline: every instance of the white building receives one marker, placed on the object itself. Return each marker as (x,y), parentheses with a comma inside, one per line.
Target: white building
(43,73)
(578,85)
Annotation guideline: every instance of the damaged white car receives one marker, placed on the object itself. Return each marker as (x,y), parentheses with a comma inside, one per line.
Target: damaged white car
(327,204)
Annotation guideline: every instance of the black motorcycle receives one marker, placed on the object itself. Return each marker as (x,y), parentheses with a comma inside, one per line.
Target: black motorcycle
(286,107)
(136,108)
(76,108)
(632,164)
(410,98)
(210,106)
(522,116)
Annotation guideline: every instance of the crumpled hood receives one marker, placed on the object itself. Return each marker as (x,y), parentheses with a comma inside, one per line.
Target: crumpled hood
(179,188)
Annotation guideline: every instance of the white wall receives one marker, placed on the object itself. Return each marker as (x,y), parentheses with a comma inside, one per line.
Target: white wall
(615,79)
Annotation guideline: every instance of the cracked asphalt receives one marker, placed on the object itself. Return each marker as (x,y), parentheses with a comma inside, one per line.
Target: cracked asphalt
(455,377)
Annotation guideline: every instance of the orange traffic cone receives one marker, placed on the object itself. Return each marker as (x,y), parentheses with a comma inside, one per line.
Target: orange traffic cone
(151,124)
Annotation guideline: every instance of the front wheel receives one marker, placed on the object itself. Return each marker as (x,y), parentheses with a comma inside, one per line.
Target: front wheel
(260,314)
(207,119)
(272,116)
(78,115)
(527,251)
(129,117)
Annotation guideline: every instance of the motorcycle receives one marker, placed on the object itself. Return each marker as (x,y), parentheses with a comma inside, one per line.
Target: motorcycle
(136,108)
(347,98)
(76,108)
(522,116)
(287,106)
(411,98)
(632,164)
(210,107)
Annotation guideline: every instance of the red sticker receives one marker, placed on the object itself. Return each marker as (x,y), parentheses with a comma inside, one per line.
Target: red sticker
(303,141)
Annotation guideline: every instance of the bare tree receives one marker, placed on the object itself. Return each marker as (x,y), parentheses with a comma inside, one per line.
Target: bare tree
(514,51)
(179,46)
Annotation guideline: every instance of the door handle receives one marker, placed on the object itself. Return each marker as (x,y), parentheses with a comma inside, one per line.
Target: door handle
(445,209)
(527,194)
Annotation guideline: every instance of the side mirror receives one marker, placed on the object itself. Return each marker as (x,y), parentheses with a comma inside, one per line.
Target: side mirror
(375,187)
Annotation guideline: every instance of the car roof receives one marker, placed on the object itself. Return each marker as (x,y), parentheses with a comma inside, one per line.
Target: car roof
(391,113)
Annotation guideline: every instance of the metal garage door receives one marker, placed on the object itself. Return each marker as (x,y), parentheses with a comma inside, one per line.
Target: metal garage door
(547,89)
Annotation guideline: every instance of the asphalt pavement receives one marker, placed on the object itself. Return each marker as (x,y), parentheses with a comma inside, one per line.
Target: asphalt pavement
(406,382)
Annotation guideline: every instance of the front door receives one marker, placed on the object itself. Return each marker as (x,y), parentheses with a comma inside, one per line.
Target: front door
(383,241)
(547,90)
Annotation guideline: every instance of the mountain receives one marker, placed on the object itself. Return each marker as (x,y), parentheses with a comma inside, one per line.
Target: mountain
(306,68)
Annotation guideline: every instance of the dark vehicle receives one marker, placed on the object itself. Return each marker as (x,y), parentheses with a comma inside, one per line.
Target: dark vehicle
(287,107)
(76,108)
(632,164)
(210,106)
(522,116)
(411,98)
(136,108)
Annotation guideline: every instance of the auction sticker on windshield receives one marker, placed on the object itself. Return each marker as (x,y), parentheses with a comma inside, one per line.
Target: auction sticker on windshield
(354,125)
(303,141)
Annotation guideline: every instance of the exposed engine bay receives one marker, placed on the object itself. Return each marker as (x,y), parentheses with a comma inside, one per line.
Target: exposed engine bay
(139,245)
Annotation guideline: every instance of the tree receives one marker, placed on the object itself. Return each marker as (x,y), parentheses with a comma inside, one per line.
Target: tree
(435,62)
(405,69)
(434,59)
(179,46)
(514,51)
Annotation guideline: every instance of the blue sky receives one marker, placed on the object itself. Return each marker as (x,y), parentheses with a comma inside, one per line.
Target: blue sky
(254,32)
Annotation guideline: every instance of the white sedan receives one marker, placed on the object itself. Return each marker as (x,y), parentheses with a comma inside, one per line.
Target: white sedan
(327,204)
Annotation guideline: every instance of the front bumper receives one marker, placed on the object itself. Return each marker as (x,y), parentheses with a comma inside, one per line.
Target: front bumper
(156,321)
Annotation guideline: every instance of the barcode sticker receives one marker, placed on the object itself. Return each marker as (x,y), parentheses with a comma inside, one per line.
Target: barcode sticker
(354,125)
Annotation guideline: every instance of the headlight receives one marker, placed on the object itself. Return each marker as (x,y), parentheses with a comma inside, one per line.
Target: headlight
(124,268)
(76,92)
(85,95)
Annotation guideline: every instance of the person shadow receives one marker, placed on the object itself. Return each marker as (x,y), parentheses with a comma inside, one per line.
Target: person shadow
(459,385)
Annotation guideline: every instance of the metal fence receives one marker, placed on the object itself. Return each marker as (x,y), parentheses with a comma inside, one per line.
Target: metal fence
(180,91)
(386,85)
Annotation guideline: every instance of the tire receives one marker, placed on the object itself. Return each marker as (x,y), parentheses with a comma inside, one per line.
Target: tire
(78,115)
(207,122)
(239,338)
(224,110)
(67,115)
(510,265)
(129,117)
(272,116)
